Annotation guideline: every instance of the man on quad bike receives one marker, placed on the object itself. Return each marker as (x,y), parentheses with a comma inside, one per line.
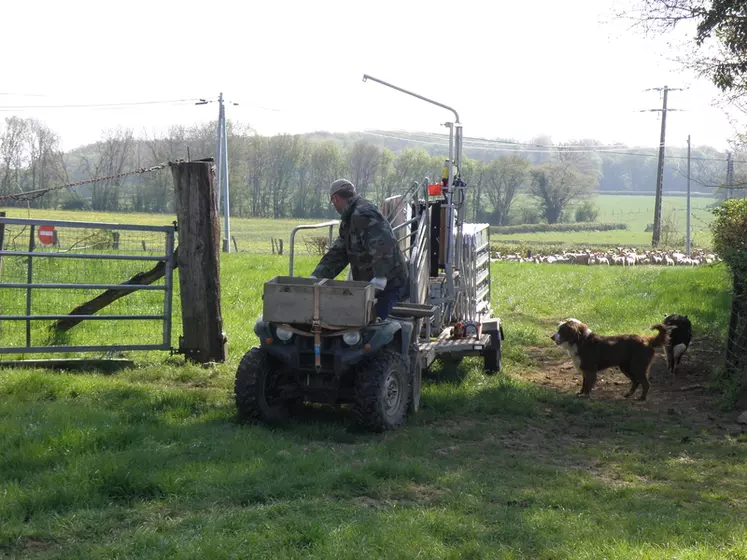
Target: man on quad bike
(367,243)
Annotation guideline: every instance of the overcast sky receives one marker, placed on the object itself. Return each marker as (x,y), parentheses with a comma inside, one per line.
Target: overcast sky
(511,69)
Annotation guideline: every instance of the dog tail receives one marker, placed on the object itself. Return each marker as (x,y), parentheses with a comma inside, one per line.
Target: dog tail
(660,339)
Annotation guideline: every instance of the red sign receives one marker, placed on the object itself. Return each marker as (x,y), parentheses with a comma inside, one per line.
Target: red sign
(46,235)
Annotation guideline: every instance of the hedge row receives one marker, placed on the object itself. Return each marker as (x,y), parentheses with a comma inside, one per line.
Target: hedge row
(539,228)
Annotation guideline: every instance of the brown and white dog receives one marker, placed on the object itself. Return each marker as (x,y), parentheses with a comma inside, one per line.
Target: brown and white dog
(592,353)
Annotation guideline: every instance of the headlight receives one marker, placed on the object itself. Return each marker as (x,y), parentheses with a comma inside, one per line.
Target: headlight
(351,338)
(284,334)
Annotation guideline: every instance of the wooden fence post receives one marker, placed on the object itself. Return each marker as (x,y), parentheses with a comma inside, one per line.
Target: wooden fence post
(198,261)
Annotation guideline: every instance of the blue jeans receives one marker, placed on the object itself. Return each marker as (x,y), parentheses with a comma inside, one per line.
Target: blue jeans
(386,299)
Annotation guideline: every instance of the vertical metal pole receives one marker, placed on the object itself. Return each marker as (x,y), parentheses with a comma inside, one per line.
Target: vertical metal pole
(219,148)
(226,202)
(461,198)
(449,222)
(167,298)
(29,278)
(687,248)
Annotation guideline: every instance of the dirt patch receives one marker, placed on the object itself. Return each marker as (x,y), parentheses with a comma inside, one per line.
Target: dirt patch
(688,394)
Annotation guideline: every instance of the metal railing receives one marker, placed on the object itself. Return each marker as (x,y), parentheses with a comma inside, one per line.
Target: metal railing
(330,224)
(32,255)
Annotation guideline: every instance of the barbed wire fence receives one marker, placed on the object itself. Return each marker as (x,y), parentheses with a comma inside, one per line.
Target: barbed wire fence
(247,236)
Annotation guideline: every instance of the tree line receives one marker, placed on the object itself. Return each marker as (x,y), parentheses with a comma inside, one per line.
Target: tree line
(287,176)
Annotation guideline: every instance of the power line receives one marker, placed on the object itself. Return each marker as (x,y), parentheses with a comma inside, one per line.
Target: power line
(735,186)
(96,105)
(11,94)
(531,149)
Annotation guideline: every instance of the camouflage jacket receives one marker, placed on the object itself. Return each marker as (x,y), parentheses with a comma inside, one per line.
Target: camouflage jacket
(368,244)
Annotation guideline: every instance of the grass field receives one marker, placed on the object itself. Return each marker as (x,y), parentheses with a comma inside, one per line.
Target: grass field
(253,235)
(637,212)
(150,462)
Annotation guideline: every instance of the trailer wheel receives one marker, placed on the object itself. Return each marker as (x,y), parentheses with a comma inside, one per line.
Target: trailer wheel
(383,390)
(256,389)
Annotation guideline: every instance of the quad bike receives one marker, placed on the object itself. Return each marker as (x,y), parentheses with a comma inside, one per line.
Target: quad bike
(320,341)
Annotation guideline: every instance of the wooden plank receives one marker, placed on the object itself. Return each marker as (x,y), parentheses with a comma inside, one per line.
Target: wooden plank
(444,344)
(110,296)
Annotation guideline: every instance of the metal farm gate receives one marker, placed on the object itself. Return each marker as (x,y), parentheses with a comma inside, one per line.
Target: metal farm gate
(56,275)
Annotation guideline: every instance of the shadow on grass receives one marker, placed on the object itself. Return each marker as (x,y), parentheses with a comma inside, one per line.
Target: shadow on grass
(506,462)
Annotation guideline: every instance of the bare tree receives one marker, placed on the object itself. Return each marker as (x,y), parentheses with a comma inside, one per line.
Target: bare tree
(580,154)
(323,164)
(556,186)
(257,166)
(719,44)
(363,160)
(13,154)
(112,155)
(502,179)
(472,173)
(45,162)
(284,153)
(384,175)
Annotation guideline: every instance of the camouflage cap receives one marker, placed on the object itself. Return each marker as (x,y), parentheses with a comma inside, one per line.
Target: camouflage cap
(339,185)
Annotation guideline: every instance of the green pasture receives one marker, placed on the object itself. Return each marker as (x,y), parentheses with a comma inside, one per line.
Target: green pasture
(254,235)
(637,211)
(150,462)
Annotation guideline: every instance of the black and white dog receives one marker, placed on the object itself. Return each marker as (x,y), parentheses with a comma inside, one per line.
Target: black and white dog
(680,333)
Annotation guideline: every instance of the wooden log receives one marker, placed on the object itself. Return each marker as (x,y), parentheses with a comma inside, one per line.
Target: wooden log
(109,296)
(199,261)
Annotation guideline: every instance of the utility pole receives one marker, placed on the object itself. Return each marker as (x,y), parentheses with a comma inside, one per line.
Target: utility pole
(223,174)
(221,168)
(660,170)
(729,174)
(687,243)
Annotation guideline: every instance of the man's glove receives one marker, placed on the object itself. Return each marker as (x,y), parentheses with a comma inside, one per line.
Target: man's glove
(314,277)
(379,282)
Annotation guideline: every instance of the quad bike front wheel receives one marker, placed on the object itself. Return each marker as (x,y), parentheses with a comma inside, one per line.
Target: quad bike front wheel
(257,389)
(383,390)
